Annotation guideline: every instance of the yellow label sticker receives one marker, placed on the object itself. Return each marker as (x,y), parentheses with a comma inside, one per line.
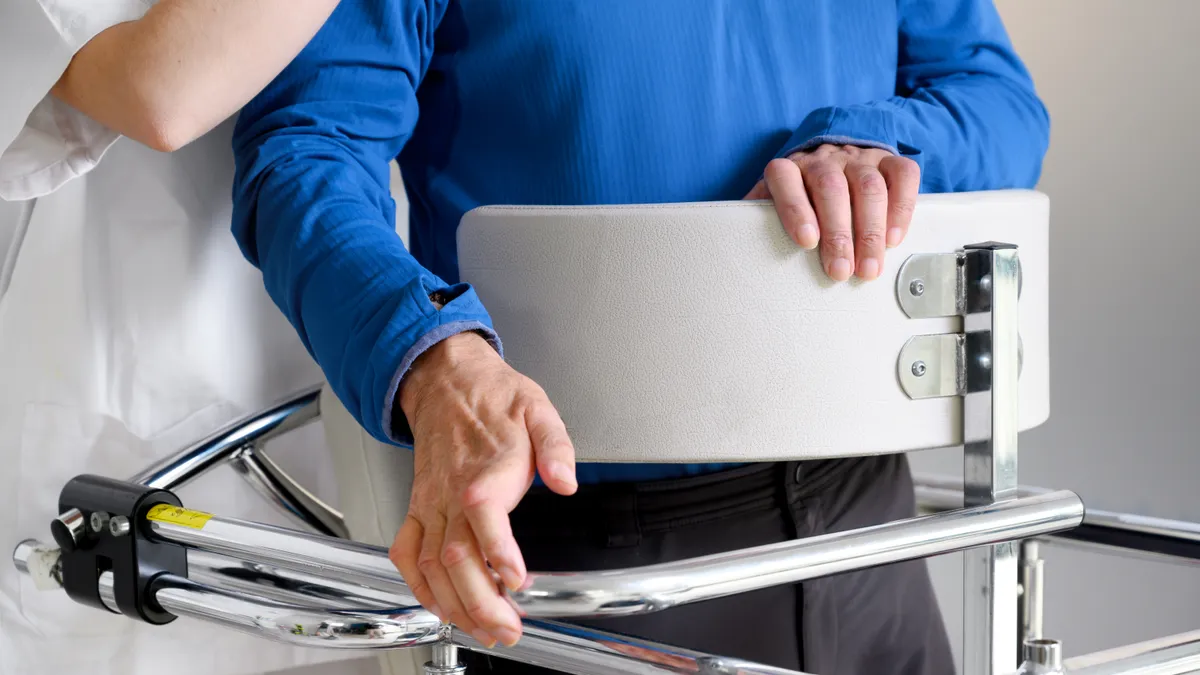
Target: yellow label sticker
(165,513)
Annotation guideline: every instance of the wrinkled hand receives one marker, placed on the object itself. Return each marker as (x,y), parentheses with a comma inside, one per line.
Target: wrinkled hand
(480,429)
(853,202)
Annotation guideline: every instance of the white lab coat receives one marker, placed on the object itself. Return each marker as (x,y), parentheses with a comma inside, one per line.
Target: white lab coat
(130,326)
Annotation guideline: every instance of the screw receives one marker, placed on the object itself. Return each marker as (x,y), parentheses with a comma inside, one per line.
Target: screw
(917,287)
(918,368)
(985,361)
(985,283)
(119,526)
(98,521)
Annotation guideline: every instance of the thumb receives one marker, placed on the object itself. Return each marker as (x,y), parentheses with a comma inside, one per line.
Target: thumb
(552,448)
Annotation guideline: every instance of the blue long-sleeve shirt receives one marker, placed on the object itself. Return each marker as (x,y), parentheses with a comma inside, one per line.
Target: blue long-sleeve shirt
(581,102)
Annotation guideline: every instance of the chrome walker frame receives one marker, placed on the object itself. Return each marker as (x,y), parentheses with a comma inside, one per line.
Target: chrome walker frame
(316,588)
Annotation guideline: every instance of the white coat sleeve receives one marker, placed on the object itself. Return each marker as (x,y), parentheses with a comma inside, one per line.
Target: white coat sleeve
(44,143)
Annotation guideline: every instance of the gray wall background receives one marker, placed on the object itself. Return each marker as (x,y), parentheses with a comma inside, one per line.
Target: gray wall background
(1120,80)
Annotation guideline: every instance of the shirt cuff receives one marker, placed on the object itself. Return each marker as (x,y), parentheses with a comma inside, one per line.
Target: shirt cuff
(395,425)
(863,126)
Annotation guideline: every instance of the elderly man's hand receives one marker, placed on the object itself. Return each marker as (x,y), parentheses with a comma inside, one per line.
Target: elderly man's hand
(481,428)
(852,201)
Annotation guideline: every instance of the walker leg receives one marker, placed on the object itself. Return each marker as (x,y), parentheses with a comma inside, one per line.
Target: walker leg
(990,454)
(1032,570)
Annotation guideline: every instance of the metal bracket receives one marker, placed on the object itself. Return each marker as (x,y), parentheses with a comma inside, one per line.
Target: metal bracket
(101,531)
(933,285)
(936,366)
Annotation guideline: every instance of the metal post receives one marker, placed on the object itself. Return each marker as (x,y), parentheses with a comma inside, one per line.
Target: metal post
(445,655)
(1041,657)
(990,453)
(1032,591)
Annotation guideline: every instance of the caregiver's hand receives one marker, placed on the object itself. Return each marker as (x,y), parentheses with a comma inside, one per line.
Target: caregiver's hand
(480,430)
(851,201)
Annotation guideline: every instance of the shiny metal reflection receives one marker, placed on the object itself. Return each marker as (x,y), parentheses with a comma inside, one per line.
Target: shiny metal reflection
(280,489)
(348,561)
(990,425)
(1159,539)
(329,628)
(1173,655)
(175,471)
(656,587)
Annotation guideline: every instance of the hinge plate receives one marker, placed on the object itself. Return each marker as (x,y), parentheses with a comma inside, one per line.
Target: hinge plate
(936,366)
(932,285)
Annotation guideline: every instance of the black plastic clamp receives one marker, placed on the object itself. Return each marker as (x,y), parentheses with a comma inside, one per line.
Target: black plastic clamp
(108,532)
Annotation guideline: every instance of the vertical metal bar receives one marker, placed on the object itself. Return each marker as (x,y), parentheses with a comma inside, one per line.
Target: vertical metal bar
(1032,591)
(990,454)
(1023,604)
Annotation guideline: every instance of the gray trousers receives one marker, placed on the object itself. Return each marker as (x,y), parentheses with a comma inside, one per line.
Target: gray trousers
(882,621)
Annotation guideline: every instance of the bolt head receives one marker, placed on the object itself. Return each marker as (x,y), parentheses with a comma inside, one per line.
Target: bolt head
(98,521)
(918,368)
(119,526)
(917,287)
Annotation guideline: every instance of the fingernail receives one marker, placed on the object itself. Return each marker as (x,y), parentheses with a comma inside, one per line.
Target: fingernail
(869,269)
(483,638)
(893,237)
(437,611)
(512,580)
(809,235)
(508,637)
(562,472)
(840,269)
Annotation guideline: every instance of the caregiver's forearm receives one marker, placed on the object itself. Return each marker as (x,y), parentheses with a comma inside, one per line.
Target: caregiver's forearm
(173,75)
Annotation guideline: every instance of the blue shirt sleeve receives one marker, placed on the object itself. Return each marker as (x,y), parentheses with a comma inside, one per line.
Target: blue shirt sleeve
(965,107)
(312,207)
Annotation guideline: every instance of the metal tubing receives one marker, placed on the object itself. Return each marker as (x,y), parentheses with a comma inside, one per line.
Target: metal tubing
(1032,591)
(566,648)
(278,583)
(175,471)
(349,561)
(280,489)
(1162,539)
(656,587)
(990,424)
(393,628)
(375,626)
(1174,655)
(1041,657)
(583,651)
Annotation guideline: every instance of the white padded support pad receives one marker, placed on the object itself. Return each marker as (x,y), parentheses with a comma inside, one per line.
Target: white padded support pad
(700,332)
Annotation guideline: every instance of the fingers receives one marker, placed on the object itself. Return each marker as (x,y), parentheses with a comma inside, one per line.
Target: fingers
(488,518)
(784,183)
(861,200)
(826,183)
(869,199)
(404,553)
(481,599)
(445,597)
(903,178)
(552,448)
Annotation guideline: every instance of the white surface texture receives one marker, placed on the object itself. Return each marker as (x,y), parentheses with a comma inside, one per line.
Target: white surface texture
(700,332)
